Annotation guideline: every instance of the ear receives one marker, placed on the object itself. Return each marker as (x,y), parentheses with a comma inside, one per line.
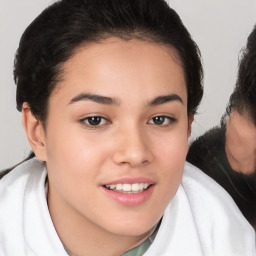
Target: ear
(35,132)
(190,121)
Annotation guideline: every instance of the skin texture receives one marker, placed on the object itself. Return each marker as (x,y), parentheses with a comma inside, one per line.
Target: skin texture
(127,143)
(241,143)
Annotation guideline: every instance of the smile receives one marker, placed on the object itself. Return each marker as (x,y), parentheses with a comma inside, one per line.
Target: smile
(129,193)
(128,188)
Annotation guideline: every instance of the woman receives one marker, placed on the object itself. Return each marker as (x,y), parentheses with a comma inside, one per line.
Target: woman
(108,90)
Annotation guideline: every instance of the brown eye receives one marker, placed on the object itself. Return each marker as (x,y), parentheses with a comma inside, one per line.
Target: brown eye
(159,120)
(94,121)
(162,120)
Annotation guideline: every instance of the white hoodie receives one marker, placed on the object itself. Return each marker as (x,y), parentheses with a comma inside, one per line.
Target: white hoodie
(201,219)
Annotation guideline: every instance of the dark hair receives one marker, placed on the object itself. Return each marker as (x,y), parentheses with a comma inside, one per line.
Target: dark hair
(243,98)
(62,28)
(6,171)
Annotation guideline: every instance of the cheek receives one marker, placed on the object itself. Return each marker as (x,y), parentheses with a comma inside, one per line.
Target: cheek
(173,165)
(73,163)
(170,167)
(172,156)
(173,149)
(73,146)
(72,158)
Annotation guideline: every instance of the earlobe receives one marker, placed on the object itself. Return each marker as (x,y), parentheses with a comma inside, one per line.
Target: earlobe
(35,132)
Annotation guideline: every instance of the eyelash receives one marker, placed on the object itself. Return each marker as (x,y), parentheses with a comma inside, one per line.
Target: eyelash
(161,119)
(87,121)
(170,120)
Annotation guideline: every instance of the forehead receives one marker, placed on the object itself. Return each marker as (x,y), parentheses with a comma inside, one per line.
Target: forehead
(244,124)
(116,65)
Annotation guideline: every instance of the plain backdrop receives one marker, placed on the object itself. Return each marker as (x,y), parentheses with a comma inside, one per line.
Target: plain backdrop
(219,27)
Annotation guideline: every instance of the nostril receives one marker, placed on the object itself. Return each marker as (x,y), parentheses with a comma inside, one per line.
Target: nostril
(131,159)
(132,148)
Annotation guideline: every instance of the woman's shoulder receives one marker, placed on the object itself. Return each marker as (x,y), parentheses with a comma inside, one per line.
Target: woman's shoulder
(200,186)
(202,219)
(214,210)
(19,177)
(24,213)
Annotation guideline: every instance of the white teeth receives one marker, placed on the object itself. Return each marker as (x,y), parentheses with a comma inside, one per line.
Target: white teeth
(136,187)
(112,186)
(119,187)
(127,187)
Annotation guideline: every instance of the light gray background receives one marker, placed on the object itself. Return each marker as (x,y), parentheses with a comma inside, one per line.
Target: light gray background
(220,28)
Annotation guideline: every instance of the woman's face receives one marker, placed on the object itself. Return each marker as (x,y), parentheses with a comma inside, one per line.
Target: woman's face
(117,136)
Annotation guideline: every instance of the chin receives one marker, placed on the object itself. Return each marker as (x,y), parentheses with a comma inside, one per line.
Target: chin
(134,228)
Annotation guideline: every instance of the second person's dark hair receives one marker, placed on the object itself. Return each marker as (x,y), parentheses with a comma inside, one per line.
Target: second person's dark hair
(243,98)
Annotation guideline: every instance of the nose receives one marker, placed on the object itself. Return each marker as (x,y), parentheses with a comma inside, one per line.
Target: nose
(132,148)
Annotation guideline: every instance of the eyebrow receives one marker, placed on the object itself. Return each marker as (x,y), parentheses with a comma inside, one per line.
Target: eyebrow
(94,97)
(111,101)
(165,98)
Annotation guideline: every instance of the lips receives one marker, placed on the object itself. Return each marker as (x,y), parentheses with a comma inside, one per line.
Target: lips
(128,191)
